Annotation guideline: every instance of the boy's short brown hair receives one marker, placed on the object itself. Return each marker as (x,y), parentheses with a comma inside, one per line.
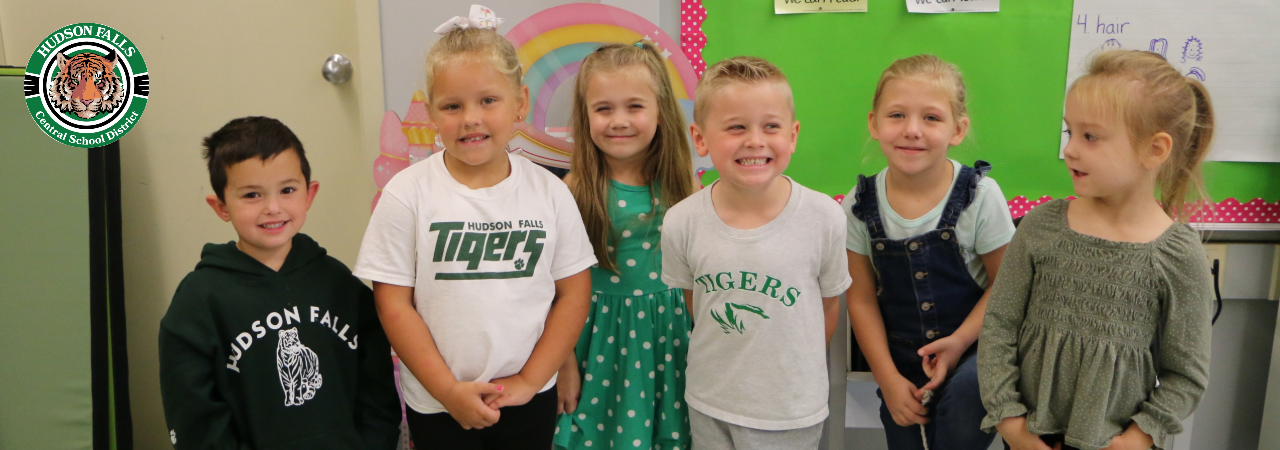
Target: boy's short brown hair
(738,69)
(249,137)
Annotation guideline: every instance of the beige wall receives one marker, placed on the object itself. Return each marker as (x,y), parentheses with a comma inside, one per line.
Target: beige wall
(210,63)
(3,61)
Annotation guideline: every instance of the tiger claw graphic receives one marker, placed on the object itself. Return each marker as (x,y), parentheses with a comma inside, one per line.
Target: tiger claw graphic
(733,322)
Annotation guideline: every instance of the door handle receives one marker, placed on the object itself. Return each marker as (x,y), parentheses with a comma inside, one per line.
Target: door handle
(336,69)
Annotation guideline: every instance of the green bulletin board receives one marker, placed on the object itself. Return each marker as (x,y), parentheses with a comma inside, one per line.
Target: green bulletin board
(1014,64)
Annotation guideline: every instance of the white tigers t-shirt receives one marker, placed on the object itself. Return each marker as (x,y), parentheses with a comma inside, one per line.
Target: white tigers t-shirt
(483,263)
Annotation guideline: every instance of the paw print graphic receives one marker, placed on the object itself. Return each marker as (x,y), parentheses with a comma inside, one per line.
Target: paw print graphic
(520,264)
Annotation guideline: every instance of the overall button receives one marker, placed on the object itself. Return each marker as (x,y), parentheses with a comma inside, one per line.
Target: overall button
(946,236)
(879,246)
(926,306)
(920,275)
(930,334)
(914,246)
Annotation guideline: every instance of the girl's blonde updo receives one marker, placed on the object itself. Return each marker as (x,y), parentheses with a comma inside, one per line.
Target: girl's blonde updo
(479,43)
(1149,96)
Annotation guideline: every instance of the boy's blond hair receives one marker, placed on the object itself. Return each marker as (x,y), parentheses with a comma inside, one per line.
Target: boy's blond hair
(741,70)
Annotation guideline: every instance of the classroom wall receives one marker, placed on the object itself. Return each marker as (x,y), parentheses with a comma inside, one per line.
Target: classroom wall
(208,67)
(1230,413)
(1014,63)
(405,40)
(3,61)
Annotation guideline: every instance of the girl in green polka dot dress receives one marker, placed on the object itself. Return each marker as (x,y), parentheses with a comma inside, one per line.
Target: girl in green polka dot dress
(624,386)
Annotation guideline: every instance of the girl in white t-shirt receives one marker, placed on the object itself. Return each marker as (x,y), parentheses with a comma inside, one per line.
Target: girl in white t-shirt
(631,163)
(925,239)
(478,259)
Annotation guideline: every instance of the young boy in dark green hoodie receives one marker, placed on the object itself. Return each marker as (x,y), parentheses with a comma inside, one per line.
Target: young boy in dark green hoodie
(269,343)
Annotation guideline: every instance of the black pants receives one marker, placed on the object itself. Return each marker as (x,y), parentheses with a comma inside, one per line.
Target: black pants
(558,172)
(528,426)
(1050,439)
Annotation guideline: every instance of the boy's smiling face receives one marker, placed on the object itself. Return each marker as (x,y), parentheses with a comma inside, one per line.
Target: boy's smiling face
(750,133)
(267,202)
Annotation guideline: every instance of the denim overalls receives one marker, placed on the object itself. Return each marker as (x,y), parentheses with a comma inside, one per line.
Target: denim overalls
(925,293)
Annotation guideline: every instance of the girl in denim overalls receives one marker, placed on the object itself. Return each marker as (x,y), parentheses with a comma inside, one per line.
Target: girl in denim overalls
(925,239)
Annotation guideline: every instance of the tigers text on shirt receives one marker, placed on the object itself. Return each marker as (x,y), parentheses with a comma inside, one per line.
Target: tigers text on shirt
(757,354)
(483,263)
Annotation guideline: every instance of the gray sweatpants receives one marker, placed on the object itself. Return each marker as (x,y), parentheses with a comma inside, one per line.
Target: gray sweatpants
(709,433)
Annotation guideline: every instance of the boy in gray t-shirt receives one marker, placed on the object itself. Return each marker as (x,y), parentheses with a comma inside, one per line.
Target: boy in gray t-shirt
(761,259)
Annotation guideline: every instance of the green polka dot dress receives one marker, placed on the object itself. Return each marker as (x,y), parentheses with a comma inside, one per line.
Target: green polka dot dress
(632,350)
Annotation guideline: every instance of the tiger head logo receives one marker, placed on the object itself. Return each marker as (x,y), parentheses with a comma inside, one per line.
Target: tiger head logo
(86,85)
(289,339)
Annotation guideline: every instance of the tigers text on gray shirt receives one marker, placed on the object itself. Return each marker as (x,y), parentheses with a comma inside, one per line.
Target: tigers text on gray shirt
(757,356)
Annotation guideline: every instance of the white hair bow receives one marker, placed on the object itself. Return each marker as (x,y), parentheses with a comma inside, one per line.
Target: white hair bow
(481,17)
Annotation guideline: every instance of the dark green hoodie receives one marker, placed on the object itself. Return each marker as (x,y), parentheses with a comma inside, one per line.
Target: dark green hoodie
(252,358)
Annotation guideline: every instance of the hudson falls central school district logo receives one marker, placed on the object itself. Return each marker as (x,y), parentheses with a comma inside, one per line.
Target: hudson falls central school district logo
(86,85)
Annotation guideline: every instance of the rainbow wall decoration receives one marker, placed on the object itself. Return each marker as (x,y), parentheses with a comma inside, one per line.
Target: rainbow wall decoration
(552,44)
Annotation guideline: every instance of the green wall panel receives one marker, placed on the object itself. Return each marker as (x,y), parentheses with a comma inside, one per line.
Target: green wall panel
(45,392)
(1014,63)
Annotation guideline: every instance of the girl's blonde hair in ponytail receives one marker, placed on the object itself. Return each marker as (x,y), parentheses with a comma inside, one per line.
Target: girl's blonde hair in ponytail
(667,161)
(1149,96)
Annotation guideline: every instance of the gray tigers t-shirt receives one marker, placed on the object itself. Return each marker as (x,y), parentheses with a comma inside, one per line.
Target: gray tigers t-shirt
(757,354)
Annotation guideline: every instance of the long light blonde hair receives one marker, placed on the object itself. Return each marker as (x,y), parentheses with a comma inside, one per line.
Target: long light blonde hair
(1150,96)
(473,43)
(667,162)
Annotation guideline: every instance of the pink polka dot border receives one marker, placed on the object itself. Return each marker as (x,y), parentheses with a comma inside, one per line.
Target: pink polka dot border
(1232,211)
(1226,211)
(691,38)
(1020,205)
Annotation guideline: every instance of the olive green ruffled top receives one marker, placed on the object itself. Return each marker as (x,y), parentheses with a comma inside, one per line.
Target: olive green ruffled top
(1084,336)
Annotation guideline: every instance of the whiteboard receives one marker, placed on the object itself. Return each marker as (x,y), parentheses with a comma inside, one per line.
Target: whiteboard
(1231,45)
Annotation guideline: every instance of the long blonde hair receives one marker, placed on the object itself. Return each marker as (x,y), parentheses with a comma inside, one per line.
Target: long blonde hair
(473,43)
(1149,96)
(667,162)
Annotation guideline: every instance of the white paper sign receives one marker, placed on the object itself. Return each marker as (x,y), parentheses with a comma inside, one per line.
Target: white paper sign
(1230,45)
(952,6)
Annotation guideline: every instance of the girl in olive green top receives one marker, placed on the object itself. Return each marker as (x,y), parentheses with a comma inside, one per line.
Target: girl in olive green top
(1097,331)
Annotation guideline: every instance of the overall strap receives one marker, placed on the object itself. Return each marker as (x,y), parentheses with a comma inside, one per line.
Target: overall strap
(963,191)
(867,206)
